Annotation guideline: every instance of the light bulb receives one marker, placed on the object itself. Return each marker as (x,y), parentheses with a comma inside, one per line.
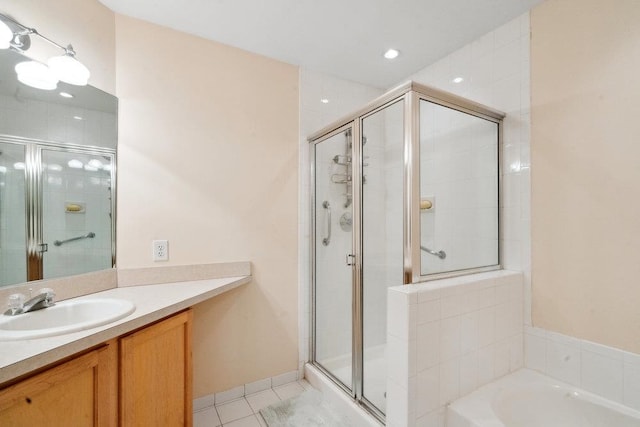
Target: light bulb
(36,75)
(69,70)
(391,54)
(6,34)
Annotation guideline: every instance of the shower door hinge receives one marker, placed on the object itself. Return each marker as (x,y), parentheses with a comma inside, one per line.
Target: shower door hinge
(44,247)
(351,260)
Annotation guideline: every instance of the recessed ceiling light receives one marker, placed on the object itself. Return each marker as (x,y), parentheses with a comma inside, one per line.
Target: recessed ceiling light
(391,54)
(458,80)
(66,95)
(77,117)
(324,100)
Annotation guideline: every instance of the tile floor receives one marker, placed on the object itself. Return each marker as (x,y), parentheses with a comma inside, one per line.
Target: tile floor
(244,412)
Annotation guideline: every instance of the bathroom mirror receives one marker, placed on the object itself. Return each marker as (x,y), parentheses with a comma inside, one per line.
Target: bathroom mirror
(57,178)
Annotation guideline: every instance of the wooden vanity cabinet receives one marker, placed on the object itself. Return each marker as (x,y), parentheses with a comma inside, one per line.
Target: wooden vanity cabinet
(140,379)
(155,374)
(79,392)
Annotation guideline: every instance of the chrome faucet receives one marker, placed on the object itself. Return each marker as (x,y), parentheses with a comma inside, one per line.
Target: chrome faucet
(17,305)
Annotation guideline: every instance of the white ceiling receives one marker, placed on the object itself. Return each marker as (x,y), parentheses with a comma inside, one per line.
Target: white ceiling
(345,38)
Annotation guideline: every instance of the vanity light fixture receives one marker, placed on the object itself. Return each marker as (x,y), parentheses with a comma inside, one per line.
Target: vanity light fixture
(64,67)
(391,54)
(36,75)
(66,95)
(458,80)
(324,100)
(68,69)
(77,117)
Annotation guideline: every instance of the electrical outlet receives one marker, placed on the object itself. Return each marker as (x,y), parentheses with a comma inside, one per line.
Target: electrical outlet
(160,250)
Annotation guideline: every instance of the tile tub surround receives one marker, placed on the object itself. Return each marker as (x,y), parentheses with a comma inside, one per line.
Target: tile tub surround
(606,371)
(153,302)
(448,337)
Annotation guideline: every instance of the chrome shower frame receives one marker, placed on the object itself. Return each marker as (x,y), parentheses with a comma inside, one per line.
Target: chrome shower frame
(410,94)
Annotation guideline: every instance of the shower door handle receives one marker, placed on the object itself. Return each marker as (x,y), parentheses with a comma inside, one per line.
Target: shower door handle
(327,239)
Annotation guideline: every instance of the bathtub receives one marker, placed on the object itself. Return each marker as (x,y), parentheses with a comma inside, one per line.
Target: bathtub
(529,399)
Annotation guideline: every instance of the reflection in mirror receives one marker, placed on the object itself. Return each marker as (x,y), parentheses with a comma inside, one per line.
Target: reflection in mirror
(458,190)
(57,178)
(13,242)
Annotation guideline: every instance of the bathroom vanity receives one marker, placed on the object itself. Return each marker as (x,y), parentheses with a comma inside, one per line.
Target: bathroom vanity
(134,371)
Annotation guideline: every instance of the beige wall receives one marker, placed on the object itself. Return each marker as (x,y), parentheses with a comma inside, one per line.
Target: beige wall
(87,25)
(208,158)
(585,57)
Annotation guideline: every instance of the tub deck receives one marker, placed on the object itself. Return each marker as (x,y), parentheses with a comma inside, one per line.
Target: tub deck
(527,398)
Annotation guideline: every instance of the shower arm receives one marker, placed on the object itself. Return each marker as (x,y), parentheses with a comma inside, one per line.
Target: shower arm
(440,254)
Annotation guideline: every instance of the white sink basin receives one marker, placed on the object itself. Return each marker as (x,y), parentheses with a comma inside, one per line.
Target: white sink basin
(64,317)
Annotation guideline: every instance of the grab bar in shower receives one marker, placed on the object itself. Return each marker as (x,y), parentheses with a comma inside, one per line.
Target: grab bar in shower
(327,239)
(89,235)
(439,254)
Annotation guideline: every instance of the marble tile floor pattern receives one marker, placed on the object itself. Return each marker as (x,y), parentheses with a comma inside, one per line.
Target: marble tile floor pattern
(245,412)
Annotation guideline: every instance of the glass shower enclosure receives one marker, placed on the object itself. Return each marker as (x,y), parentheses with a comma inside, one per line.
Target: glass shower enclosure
(403,191)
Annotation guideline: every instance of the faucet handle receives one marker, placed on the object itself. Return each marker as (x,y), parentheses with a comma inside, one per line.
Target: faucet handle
(15,303)
(50,294)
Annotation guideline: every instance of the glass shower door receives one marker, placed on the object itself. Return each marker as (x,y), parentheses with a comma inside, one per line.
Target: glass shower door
(333,269)
(382,242)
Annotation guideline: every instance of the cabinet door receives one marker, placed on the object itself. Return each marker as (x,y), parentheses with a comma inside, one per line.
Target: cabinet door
(155,374)
(80,392)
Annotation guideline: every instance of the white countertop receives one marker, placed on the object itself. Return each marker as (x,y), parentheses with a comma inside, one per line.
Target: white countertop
(153,302)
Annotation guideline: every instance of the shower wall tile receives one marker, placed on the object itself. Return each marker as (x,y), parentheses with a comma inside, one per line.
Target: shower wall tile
(606,371)
(468,332)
